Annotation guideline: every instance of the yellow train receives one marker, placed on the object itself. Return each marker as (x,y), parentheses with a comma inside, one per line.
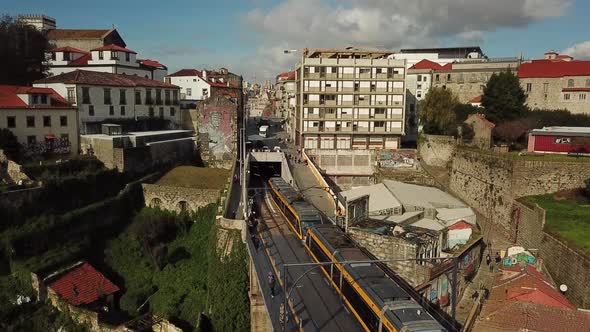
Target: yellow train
(377,301)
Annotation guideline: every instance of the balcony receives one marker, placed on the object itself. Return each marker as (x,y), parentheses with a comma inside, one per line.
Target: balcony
(330,89)
(330,102)
(381,76)
(348,76)
(364,103)
(365,75)
(312,116)
(346,129)
(313,103)
(346,103)
(398,76)
(312,75)
(362,129)
(331,75)
(381,90)
(380,116)
(398,90)
(379,129)
(380,103)
(365,90)
(346,116)
(313,89)
(346,89)
(330,116)
(331,129)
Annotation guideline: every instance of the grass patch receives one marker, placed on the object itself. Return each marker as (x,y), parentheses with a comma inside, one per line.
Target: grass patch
(195,177)
(568,218)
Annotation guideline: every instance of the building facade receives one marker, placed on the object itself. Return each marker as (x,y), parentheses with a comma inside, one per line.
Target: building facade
(286,92)
(85,39)
(561,140)
(467,79)
(108,59)
(557,82)
(40,118)
(350,99)
(101,97)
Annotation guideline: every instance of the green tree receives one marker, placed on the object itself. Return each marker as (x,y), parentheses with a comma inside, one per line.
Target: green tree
(503,98)
(437,111)
(22,53)
(10,144)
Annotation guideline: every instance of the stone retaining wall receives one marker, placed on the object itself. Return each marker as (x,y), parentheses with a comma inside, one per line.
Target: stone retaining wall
(436,150)
(178,198)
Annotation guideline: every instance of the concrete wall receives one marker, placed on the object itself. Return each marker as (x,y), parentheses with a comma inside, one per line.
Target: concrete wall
(172,198)
(436,150)
(565,265)
(391,247)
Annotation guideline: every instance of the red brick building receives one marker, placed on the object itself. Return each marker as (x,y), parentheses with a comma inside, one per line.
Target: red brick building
(562,140)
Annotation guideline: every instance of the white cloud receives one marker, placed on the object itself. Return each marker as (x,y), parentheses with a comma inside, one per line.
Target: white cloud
(390,24)
(579,51)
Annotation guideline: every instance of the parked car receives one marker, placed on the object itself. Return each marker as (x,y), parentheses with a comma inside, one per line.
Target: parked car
(265,149)
(277,149)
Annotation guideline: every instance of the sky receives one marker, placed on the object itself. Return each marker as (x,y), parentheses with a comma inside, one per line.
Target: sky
(248,36)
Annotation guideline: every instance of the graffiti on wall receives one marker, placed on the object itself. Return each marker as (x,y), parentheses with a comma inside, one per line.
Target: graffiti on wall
(397,158)
(56,146)
(216,122)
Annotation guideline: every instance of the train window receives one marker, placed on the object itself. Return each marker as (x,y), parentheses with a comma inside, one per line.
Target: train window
(318,252)
(360,306)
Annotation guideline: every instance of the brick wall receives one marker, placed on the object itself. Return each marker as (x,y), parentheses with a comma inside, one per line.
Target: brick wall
(391,247)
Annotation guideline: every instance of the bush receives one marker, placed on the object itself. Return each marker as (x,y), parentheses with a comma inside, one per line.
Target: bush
(10,145)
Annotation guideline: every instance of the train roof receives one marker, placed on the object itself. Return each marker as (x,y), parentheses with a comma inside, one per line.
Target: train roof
(373,280)
(306,211)
(286,190)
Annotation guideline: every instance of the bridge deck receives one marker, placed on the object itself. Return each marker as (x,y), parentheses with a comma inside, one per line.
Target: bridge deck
(317,307)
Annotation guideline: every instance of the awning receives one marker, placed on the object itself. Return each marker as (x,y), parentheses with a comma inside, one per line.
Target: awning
(50,137)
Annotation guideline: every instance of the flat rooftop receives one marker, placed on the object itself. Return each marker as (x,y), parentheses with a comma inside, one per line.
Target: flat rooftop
(380,198)
(572,131)
(195,177)
(427,197)
(349,51)
(137,134)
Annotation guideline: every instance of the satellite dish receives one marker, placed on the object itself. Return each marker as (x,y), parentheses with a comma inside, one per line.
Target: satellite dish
(563,288)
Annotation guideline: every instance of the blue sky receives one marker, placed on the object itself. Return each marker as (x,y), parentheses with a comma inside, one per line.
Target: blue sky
(247,36)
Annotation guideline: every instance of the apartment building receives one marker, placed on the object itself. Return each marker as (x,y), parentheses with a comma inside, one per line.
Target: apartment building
(557,82)
(40,118)
(468,78)
(101,97)
(286,91)
(350,99)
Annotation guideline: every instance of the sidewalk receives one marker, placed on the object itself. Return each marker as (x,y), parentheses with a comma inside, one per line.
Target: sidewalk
(312,191)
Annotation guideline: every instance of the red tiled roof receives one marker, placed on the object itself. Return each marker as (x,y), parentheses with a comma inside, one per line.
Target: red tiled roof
(9,98)
(81,61)
(83,285)
(67,49)
(460,225)
(113,47)
(475,99)
(575,89)
(151,63)
(99,78)
(76,34)
(426,64)
(289,75)
(553,69)
(482,117)
(186,72)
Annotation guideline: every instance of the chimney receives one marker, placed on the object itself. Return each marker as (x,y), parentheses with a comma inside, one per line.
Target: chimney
(204,74)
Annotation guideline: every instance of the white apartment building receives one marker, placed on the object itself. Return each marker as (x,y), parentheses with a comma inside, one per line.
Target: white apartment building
(112,59)
(193,84)
(351,99)
(286,92)
(41,119)
(103,96)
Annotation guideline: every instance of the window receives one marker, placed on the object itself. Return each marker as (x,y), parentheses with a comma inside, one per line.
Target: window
(529,87)
(91,110)
(35,99)
(448,77)
(111,110)
(11,122)
(47,121)
(419,78)
(189,91)
(566,96)
(43,99)
(122,110)
(545,87)
(148,96)
(582,96)
(172,111)
(562,140)
(545,96)
(127,56)
(151,112)
(65,137)
(85,95)
(175,97)
(419,93)
(66,56)
(123,97)
(167,97)
(30,121)
(588,82)
(379,124)
(71,95)
(53,56)
(63,121)
(161,112)
(138,97)
(107,96)
(570,83)
(158,96)
(31,139)
(437,77)
(205,93)
(114,55)
(100,55)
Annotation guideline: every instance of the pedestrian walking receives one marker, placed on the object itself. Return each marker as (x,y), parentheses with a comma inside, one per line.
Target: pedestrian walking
(488,259)
(271,284)
(498,258)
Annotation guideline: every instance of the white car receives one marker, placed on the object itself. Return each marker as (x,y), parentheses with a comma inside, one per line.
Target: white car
(265,149)
(277,149)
